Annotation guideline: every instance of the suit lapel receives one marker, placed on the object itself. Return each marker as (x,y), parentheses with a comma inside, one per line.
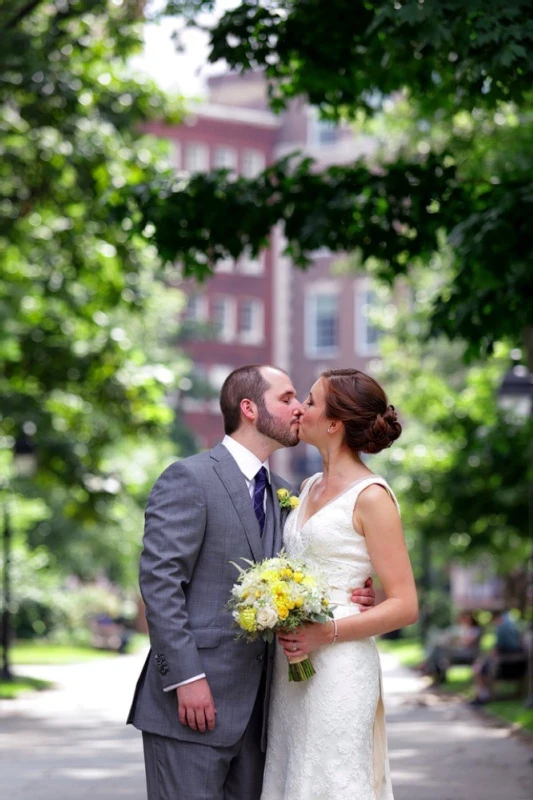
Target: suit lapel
(235,484)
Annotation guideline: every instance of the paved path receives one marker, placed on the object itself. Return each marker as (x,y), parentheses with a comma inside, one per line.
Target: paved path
(71,743)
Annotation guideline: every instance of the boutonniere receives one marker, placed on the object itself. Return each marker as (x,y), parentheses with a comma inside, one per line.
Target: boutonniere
(286,499)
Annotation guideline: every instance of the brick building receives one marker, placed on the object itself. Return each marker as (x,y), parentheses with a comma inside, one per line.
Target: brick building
(264,310)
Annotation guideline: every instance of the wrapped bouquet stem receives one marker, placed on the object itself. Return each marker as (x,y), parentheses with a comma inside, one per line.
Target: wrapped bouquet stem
(280,594)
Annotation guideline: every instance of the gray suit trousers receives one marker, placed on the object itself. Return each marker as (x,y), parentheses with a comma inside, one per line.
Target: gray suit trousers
(177,770)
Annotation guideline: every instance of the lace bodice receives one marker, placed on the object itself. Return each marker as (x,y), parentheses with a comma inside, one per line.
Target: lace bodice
(328,539)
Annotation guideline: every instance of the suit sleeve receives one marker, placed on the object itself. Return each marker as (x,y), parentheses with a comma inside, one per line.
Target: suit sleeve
(175,521)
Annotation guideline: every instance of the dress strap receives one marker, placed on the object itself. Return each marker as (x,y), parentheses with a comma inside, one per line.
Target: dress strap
(381,482)
(309,482)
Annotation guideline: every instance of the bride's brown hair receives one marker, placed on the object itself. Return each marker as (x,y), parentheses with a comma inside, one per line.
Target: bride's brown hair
(359,402)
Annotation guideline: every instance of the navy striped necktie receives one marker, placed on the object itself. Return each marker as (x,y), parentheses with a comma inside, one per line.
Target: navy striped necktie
(261,480)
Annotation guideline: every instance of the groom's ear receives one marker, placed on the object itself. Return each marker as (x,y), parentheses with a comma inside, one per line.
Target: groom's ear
(249,409)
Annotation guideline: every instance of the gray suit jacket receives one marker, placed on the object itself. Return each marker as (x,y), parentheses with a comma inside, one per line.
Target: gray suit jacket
(198,519)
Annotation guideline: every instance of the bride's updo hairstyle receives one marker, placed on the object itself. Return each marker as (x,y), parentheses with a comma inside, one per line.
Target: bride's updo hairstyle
(358,401)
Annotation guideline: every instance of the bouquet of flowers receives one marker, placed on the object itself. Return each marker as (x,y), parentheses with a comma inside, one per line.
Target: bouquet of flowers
(279,594)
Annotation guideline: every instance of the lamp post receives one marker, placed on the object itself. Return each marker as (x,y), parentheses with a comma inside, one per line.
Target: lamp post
(24,463)
(515,395)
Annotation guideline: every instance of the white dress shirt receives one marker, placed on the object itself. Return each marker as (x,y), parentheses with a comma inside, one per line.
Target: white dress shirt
(249,465)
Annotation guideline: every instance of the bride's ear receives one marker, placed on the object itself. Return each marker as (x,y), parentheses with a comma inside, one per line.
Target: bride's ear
(334,427)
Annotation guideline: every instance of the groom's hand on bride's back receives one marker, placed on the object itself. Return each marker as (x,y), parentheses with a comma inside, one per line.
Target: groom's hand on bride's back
(365,597)
(196,706)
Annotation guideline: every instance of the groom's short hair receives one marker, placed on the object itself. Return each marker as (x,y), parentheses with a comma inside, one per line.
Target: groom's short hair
(243,383)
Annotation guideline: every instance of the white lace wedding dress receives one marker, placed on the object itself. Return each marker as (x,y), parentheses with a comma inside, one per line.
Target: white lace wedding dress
(326,736)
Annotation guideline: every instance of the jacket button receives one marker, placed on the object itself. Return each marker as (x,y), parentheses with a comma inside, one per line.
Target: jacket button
(260,658)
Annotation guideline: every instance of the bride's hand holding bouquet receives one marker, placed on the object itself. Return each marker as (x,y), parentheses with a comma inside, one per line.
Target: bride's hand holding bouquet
(281,596)
(308,638)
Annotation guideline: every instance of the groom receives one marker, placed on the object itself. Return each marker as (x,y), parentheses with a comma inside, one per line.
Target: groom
(202,698)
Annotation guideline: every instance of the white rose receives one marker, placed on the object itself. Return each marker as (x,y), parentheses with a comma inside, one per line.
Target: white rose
(266,618)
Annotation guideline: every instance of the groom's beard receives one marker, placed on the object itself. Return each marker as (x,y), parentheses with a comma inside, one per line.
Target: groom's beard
(284,433)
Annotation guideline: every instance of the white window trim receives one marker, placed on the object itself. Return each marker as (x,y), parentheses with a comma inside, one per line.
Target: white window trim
(227,150)
(257,157)
(313,131)
(215,373)
(361,344)
(257,334)
(201,315)
(228,333)
(176,154)
(313,291)
(204,159)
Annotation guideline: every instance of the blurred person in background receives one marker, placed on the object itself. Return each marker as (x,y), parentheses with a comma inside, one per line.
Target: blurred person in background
(504,660)
(458,644)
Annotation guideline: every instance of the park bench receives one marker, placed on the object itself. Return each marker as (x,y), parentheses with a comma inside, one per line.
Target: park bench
(456,657)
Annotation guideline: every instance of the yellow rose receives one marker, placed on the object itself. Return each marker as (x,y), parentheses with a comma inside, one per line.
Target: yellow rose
(282,493)
(286,573)
(298,577)
(269,575)
(283,611)
(295,502)
(299,602)
(247,619)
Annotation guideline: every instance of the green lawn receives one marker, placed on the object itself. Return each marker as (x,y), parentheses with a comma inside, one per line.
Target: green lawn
(43,652)
(410,652)
(21,684)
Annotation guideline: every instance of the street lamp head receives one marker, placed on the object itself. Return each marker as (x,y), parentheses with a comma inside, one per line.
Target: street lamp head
(516,392)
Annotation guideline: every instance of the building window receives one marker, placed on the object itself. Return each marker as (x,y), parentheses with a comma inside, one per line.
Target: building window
(218,374)
(251,322)
(326,132)
(253,162)
(225,158)
(249,265)
(196,308)
(224,318)
(322,323)
(196,157)
(175,154)
(321,132)
(367,334)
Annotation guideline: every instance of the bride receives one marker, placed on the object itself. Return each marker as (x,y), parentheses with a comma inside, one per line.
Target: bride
(326,738)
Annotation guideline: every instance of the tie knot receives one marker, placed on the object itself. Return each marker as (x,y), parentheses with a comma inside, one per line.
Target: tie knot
(261,478)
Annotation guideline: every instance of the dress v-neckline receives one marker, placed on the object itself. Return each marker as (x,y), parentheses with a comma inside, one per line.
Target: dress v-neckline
(333,499)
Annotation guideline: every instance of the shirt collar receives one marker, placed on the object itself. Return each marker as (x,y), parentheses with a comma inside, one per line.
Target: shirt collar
(247,462)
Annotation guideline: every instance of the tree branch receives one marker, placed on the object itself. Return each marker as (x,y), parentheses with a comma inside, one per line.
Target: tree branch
(27,9)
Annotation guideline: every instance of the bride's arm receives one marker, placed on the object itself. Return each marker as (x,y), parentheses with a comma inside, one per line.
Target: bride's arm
(378,520)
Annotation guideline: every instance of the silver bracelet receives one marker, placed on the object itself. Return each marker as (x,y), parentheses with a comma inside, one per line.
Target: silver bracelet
(335,631)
